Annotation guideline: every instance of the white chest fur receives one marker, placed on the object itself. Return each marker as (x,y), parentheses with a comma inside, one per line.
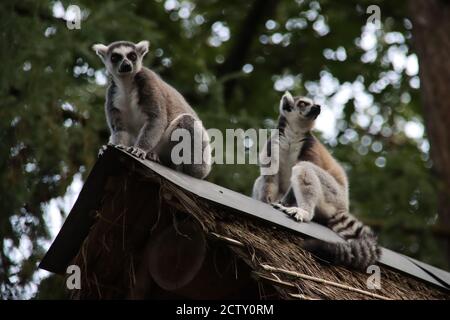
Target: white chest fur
(126,100)
(290,148)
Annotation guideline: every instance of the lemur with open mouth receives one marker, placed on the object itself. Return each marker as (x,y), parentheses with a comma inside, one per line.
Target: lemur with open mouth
(142,110)
(311,184)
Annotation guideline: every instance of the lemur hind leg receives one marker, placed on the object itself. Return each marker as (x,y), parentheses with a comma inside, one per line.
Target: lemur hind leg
(198,163)
(307,189)
(315,190)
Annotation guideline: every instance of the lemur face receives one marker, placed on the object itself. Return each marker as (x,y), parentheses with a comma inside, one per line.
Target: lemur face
(298,108)
(122,58)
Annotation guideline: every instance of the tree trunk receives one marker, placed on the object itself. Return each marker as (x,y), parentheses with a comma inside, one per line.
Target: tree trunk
(431,36)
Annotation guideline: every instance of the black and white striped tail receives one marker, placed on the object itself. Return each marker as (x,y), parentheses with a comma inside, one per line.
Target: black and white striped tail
(358,252)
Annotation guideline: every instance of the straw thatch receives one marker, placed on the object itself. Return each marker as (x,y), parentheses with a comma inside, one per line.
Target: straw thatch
(135,205)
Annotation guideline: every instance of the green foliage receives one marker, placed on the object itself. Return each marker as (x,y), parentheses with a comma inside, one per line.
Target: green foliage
(52,119)
(51,288)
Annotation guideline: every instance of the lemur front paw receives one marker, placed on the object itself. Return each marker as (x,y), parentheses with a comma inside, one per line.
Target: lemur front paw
(297,213)
(119,146)
(152,157)
(102,150)
(137,152)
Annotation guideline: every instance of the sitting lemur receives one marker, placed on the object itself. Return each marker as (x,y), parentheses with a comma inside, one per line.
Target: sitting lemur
(310,184)
(142,110)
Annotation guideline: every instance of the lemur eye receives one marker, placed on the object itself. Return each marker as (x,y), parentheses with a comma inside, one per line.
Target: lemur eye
(132,56)
(115,57)
(301,104)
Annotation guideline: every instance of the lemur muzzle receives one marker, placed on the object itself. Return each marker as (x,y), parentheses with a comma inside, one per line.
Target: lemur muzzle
(125,66)
(314,112)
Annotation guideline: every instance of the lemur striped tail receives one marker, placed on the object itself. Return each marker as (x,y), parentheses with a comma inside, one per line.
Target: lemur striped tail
(360,249)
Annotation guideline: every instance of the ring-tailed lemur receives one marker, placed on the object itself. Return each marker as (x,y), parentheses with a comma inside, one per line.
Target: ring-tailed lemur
(142,110)
(310,184)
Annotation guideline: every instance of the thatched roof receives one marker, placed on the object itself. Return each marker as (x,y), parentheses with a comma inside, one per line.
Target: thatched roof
(111,232)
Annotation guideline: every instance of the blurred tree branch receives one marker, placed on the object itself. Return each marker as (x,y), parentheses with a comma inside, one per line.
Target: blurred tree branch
(260,11)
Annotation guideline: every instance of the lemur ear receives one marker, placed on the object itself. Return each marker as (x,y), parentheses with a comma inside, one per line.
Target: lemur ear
(100,50)
(286,102)
(288,96)
(142,47)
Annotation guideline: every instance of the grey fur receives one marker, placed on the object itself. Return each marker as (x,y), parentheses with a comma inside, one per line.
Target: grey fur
(142,110)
